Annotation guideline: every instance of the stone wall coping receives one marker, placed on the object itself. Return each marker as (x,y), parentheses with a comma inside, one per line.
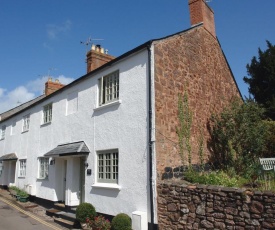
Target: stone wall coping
(216,188)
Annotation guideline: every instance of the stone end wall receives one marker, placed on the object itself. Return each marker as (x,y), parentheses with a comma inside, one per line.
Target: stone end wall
(190,62)
(182,206)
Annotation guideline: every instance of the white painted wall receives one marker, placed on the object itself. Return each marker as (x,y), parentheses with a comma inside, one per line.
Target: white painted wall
(120,126)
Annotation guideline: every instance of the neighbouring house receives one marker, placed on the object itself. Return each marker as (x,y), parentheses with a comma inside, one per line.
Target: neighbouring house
(108,137)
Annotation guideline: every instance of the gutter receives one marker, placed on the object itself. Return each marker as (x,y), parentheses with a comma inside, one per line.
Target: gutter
(150,142)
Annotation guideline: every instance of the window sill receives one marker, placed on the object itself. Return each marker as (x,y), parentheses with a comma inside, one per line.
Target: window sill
(2,139)
(25,131)
(45,124)
(44,178)
(107,186)
(118,102)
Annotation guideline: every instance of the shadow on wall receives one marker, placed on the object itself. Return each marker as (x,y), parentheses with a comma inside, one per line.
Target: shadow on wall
(104,192)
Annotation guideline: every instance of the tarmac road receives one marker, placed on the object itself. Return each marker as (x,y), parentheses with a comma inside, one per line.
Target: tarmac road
(13,218)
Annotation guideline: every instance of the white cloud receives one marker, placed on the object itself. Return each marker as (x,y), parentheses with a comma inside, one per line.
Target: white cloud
(54,30)
(22,94)
(1,92)
(38,85)
(14,98)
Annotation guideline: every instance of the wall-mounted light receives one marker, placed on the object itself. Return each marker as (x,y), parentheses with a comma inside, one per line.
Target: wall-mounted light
(86,164)
(52,161)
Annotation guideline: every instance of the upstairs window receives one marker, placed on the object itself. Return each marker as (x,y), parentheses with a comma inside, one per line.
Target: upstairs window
(22,168)
(3,132)
(107,166)
(13,127)
(109,88)
(72,103)
(43,168)
(26,123)
(47,113)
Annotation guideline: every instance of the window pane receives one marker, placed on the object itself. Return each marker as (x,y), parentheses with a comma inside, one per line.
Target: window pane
(108,167)
(47,113)
(109,88)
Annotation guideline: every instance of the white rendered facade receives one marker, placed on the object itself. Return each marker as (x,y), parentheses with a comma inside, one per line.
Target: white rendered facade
(77,115)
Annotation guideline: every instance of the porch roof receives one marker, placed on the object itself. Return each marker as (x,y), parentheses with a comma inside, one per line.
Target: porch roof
(8,157)
(69,149)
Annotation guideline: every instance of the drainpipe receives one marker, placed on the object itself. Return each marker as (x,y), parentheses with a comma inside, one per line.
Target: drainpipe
(151,226)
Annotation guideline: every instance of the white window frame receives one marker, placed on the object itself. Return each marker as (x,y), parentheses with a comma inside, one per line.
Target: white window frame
(43,167)
(3,132)
(108,166)
(109,88)
(13,125)
(22,168)
(26,123)
(47,113)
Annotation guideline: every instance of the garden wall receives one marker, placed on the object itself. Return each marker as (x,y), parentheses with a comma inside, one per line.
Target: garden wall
(182,206)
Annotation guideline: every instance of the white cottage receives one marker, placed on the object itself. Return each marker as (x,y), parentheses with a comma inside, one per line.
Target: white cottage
(88,141)
(109,136)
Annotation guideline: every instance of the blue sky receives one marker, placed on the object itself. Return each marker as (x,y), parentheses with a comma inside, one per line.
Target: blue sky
(43,37)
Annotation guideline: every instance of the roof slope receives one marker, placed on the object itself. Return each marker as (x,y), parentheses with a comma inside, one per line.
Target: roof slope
(9,113)
(41,98)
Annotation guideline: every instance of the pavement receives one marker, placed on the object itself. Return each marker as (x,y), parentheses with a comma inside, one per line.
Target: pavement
(17,215)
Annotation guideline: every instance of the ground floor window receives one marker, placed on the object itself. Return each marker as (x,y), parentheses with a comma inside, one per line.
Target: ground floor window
(43,167)
(22,168)
(107,166)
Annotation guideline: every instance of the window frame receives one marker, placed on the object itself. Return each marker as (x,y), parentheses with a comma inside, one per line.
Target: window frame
(13,125)
(108,166)
(43,161)
(22,168)
(47,113)
(3,132)
(26,123)
(109,88)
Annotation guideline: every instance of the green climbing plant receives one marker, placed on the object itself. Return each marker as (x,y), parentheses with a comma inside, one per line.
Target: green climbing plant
(184,129)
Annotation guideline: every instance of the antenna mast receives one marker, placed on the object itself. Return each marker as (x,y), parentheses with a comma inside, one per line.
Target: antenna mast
(90,42)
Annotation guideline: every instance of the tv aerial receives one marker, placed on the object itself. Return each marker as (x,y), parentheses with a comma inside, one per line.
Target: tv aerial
(90,42)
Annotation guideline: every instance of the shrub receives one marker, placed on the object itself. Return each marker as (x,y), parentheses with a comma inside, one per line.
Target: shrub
(14,188)
(121,222)
(99,223)
(22,194)
(214,178)
(238,136)
(84,211)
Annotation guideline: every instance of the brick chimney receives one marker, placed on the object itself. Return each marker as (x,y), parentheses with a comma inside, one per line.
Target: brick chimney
(97,57)
(52,86)
(201,12)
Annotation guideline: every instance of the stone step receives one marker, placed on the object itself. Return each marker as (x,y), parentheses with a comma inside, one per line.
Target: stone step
(65,223)
(53,212)
(68,216)
(73,210)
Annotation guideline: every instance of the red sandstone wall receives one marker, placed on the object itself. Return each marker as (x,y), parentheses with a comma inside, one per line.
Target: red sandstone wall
(193,61)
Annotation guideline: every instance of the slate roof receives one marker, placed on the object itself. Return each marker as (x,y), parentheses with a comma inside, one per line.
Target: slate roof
(11,112)
(69,149)
(8,157)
